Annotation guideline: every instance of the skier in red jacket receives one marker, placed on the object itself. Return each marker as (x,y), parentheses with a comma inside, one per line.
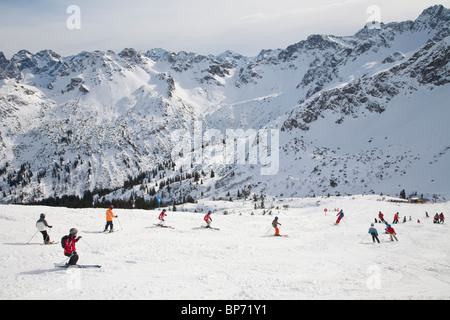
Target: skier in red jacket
(208,219)
(381,216)
(340,216)
(396,217)
(161,218)
(392,233)
(69,246)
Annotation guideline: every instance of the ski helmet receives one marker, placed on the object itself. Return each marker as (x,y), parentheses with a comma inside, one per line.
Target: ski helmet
(42,215)
(111,207)
(209,211)
(73,231)
(276,218)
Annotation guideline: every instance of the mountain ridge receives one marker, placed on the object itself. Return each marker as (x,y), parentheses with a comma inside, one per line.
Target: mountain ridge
(100,119)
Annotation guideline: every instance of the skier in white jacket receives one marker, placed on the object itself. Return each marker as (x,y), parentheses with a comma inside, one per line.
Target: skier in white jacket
(42,226)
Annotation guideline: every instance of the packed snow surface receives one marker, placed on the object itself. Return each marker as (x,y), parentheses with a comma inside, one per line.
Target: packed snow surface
(242,260)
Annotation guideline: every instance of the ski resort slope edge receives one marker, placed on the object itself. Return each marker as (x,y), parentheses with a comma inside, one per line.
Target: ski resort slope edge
(242,260)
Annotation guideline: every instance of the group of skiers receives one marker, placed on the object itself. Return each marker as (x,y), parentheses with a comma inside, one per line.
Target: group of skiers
(438,218)
(68,242)
(389,230)
(162,223)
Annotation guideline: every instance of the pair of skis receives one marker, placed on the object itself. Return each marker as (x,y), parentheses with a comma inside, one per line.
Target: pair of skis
(110,231)
(212,228)
(80,266)
(161,226)
(170,227)
(50,243)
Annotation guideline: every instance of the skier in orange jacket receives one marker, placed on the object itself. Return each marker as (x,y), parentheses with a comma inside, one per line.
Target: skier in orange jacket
(109,219)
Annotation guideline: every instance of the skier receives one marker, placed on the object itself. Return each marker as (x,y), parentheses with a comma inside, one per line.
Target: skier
(436,218)
(42,226)
(208,219)
(381,216)
(275,224)
(441,218)
(340,216)
(162,222)
(392,233)
(374,233)
(396,216)
(69,246)
(109,219)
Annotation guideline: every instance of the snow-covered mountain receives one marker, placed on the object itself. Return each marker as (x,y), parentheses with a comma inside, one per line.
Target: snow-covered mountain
(365,113)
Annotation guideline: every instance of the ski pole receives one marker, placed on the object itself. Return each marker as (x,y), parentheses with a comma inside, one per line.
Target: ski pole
(65,260)
(86,242)
(32,237)
(364,237)
(119,223)
(268,231)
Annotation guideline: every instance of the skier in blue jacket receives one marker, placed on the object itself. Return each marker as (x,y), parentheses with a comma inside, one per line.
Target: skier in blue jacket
(374,233)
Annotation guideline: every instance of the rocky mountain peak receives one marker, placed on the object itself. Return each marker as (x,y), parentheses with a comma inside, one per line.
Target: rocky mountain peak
(349,112)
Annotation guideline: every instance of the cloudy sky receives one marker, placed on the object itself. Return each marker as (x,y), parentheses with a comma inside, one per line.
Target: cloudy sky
(201,26)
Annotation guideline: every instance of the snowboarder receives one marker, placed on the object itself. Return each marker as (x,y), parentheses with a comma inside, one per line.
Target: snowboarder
(69,246)
(340,215)
(109,219)
(396,216)
(381,216)
(275,224)
(374,233)
(392,233)
(42,226)
(162,222)
(441,218)
(208,219)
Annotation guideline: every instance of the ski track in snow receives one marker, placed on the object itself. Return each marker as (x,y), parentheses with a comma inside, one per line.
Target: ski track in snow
(240,261)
